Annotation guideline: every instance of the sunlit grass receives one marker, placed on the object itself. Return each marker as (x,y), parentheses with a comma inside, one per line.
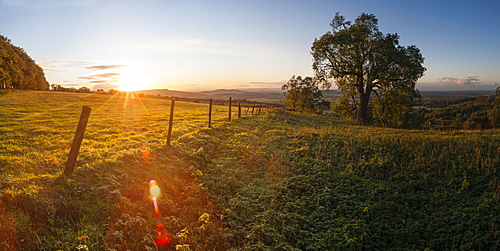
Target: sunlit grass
(108,186)
(37,126)
(278,181)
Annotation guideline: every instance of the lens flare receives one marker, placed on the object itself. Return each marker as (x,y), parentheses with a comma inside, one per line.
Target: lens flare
(154,189)
(146,154)
(162,237)
(155,203)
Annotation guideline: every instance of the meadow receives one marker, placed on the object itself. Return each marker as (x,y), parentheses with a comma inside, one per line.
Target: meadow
(44,209)
(277,181)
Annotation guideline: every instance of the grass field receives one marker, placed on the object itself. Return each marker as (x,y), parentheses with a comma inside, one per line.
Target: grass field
(37,129)
(278,181)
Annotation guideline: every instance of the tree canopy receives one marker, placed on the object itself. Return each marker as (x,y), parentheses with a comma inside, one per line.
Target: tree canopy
(18,70)
(362,60)
(302,95)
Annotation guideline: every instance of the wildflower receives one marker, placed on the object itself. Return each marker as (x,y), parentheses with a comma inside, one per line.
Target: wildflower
(204,218)
(82,247)
(182,247)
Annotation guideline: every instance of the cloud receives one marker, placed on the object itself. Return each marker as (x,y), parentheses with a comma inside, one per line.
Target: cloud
(110,75)
(60,66)
(264,84)
(104,67)
(105,86)
(102,81)
(449,83)
(472,80)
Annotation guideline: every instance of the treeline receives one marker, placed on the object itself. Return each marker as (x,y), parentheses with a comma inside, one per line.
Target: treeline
(73,89)
(18,70)
(471,114)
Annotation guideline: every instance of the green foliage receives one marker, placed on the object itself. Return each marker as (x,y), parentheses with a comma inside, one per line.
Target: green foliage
(365,62)
(302,182)
(18,70)
(494,114)
(393,108)
(302,95)
(471,114)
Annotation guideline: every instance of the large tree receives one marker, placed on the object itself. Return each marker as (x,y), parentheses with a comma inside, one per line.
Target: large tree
(361,60)
(18,70)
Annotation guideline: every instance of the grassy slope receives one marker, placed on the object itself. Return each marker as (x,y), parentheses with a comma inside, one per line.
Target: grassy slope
(281,181)
(105,203)
(304,182)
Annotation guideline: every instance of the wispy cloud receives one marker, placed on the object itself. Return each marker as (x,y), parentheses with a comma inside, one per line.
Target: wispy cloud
(101,81)
(264,84)
(104,67)
(110,76)
(105,86)
(472,80)
(60,66)
(452,83)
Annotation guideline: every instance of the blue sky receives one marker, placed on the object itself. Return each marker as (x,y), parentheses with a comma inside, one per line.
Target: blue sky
(204,45)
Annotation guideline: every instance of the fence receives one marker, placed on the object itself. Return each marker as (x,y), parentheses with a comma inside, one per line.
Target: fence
(254,109)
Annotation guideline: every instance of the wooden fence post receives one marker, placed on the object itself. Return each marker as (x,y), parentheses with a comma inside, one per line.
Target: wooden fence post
(239,110)
(210,114)
(171,121)
(77,141)
(230,100)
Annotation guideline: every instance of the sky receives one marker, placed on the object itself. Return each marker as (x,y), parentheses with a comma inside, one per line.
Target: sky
(195,45)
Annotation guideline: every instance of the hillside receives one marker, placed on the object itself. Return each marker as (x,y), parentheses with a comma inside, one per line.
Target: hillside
(279,181)
(276,95)
(266,95)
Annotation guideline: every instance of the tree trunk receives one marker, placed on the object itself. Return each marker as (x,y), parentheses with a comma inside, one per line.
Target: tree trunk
(363,106)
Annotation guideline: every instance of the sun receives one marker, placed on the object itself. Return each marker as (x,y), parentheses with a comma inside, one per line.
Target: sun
(133,80)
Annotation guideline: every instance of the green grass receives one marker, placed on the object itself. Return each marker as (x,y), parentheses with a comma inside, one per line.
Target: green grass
(306,182)
(279,181)
(37,131)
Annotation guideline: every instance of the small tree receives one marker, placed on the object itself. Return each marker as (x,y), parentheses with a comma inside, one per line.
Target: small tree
(302,95)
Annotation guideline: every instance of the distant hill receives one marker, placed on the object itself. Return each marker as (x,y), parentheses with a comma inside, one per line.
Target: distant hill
(261,95)
(275,96)
(268,95)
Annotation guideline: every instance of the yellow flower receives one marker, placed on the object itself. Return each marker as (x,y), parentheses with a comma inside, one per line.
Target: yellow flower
(204,218)
(182,247)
